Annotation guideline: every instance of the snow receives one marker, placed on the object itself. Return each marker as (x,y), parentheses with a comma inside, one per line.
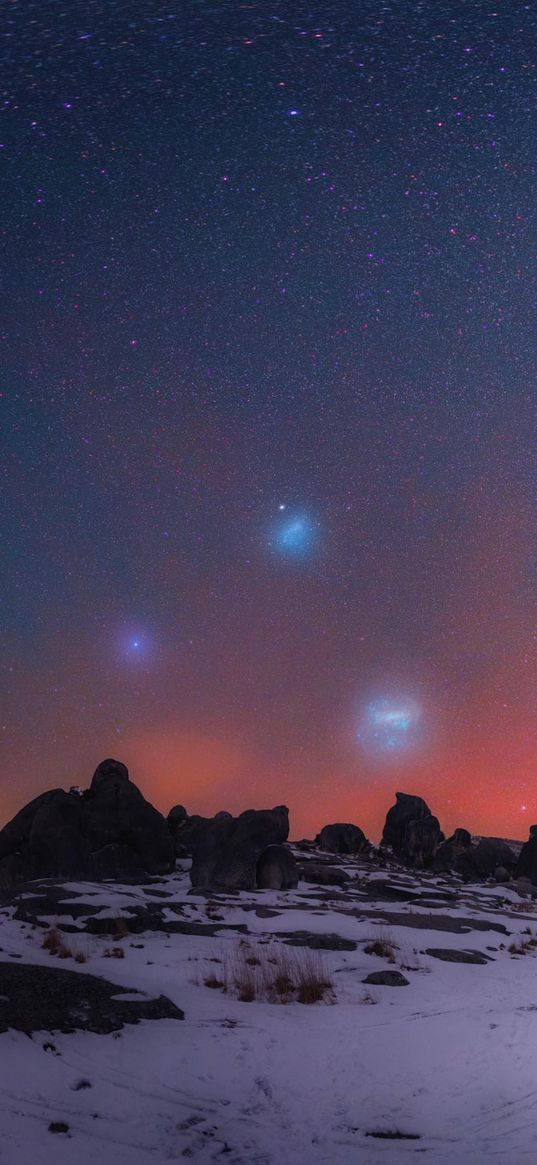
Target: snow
(450,1059)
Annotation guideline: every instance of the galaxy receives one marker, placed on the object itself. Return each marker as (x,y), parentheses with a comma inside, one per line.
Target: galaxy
(269,405)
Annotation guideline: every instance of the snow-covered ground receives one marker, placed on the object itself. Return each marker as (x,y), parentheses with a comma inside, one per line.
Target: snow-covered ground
(450,1060)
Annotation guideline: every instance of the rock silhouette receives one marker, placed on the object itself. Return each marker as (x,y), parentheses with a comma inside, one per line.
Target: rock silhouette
(527,860)
(412,831)
(276,869)
(225,850)
(109,832)
(342,838)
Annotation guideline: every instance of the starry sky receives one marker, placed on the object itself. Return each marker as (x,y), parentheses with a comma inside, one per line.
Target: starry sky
(269,405)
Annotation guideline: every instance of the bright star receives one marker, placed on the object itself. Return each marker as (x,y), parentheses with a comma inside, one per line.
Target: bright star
(137,645)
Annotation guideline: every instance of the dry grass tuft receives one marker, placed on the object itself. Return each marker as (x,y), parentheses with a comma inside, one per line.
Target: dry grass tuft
(114,953)
(383,946)
(121,928)
(53,942)
(277,975)
(524,945)
(214,982)
(213,912)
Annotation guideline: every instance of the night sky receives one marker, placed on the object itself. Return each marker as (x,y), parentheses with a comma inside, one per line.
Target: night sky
(269,405)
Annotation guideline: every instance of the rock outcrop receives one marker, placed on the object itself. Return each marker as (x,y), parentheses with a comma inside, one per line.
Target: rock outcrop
(412,831)
(108,832)
(493,853)
(225,850)
(527,861)
(342,838)
(276,869)
(455,854)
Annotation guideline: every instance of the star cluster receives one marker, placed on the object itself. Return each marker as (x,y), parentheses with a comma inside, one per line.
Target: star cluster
(253,253)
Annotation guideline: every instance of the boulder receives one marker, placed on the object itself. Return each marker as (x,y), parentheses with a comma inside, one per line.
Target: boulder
(527,861)
(225,850)
(320,874)
(207,841)
(342,838)
(109,768)
(412,831)
(108,832)
(386,979)
(176,818)
(276,869)
(492,852)
(116,813)
(252,832)
(449,854)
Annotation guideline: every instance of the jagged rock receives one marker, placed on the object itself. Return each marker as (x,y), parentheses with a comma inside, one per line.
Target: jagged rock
(527,861)
(491,853)
(225,850)
(412,831)
(342,838)
(110,831)
(276,869)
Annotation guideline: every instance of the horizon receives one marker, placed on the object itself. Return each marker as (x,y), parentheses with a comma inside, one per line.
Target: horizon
(209,804)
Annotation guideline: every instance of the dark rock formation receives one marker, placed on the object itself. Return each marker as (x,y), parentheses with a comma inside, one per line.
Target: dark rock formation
(276,869)
(527,861)
(208,839)
(109,832)
(491,853)
(321,874)
(342,838)
(34,998)
(109,769)
(450,955)
(316,942)
(176,818)
(453,853)
(116,813)
(386,979)
(225,850)
(412,831)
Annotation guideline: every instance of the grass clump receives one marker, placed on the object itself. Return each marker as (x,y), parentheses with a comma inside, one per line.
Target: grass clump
(274,975)
(523,946)
(53,942)
(383,946)
(215,983)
